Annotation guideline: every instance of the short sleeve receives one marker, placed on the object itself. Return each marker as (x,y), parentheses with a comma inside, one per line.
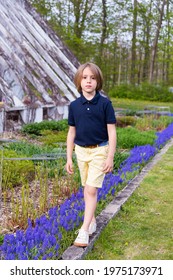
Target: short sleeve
(71,120)
(110,114)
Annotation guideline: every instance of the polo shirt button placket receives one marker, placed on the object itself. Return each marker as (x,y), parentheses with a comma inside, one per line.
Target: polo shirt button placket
(87,107)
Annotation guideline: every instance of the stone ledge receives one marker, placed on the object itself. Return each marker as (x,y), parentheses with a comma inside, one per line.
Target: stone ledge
(78,253)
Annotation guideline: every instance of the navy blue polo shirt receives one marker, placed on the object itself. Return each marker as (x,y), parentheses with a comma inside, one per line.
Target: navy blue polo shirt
(90,118)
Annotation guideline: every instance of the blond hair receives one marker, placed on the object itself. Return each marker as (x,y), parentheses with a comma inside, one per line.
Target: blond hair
(96,72)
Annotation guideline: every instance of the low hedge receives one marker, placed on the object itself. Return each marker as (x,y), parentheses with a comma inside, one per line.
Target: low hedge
(36,128)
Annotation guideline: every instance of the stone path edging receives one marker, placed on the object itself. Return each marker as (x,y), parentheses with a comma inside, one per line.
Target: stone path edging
(78,253)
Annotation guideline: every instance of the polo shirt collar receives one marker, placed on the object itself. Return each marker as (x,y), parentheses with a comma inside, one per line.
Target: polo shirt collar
(94,100)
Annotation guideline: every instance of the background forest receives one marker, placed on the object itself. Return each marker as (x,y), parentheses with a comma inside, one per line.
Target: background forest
(131,40)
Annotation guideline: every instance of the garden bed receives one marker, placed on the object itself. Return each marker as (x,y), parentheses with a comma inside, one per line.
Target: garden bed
(55,225)
(12,215)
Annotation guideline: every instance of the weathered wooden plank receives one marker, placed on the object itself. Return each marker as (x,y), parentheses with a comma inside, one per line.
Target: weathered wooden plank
(72,59)
(34,63)
(6,91)
(44,39)
(42,46)
(17,64)
(34,47)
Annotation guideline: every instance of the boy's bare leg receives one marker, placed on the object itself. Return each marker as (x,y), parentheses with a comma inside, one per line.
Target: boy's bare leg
(90,197)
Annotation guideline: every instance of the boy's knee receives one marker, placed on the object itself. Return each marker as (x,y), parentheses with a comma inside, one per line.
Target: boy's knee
(91,190)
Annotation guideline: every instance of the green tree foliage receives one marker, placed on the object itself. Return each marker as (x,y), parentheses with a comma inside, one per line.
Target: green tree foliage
(120,36)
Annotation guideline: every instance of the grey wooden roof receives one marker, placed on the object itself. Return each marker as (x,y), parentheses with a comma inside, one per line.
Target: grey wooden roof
(35,66)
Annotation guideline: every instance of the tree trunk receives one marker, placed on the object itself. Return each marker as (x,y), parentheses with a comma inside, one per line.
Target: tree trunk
(81,10)
(168,44)
(120,66)
(133,63)
(155,42)
(146,39)
(104,27)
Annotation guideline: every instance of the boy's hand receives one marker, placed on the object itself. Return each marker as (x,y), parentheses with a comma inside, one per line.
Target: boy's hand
(108,166)
(69,166)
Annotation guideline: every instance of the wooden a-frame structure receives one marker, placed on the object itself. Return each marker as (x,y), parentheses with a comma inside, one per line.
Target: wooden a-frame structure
(36,68)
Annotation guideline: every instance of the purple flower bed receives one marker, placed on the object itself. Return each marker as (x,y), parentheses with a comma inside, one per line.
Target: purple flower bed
(164,136)
(43,240)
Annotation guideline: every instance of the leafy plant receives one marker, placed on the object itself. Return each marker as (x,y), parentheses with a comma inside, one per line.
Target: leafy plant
(153,122)
(123,121)
(144,91)
(36,128)
(25,148)
(129,137)
(51,138)
(14,170)
(119,157)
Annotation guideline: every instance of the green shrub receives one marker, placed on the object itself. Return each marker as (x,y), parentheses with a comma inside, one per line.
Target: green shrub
(123,121)
(144,91)
(119,157)
(13,171)
(36,128)
(130,112)
(129,137)
(27,149)
(153,122)
(51,138)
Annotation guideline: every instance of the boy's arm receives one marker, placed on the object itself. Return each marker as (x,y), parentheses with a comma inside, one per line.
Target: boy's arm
(70,146)
(112,148)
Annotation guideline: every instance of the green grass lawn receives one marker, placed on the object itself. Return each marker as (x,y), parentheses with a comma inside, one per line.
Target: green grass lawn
(143,229)
(137,105)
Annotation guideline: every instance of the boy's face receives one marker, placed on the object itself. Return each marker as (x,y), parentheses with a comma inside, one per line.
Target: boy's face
(88,82)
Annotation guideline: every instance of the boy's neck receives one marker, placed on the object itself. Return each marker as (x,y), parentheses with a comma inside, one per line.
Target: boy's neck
(89,96)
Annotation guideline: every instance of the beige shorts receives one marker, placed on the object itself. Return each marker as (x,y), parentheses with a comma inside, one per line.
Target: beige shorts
(90,162)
